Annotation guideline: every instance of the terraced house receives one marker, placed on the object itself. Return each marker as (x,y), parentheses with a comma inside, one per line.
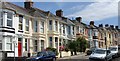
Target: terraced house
(26,30)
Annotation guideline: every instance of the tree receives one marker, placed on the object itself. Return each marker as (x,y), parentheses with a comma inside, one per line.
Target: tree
(82,44)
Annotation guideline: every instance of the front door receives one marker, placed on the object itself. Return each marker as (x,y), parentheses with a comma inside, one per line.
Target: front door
(19,49)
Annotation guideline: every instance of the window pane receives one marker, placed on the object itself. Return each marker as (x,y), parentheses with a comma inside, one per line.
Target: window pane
(35,26)
(50,22)
(0,46)
(42,44)
(27,25)
(50,41)
(9,22)
(9,15)
(20,18)
(25,44)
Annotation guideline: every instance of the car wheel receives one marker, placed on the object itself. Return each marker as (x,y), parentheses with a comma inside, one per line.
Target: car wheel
(54,59)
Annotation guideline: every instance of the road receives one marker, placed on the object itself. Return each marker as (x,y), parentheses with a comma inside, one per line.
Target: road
(81,57)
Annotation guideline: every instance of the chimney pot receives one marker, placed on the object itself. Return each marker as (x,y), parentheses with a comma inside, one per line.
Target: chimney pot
(28,4)
(100,25)
(112,26)
(91,22)
(116,27)
(106,25)
(79,19)
(59,13)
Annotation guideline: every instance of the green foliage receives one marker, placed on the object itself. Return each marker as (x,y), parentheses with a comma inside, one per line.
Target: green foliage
(78,45)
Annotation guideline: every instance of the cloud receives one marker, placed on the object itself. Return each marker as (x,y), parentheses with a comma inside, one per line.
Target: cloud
(98,10)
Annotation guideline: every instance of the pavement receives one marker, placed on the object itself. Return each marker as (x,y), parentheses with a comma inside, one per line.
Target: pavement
(79,56)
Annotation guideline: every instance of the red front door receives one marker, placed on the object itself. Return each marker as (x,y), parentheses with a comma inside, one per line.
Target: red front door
(19,49)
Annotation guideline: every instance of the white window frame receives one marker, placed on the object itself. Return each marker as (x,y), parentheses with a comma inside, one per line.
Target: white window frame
(35,45)
(50,25)
(1,44)
(56,25)
(50,41)
(26,44)
(10,19)
(27,25)
(42,44)
(1,18)
(35,26)
(21,23)
(42,27)
(9,42)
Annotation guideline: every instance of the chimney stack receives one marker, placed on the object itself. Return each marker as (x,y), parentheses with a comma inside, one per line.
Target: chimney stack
(91,22)
(28,4)
(59,13)
(106,25)
(112,26)
(116,27)
(100,25)
(79,19)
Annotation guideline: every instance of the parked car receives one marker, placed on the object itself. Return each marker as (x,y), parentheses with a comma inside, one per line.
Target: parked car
(100,55)
(114,51)
(43,56)
(89,52)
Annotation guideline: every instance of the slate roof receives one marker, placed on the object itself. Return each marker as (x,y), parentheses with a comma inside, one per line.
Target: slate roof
(13,7)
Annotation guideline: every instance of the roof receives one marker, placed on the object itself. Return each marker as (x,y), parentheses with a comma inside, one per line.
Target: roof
(38,13)
(68,21)
(13,7)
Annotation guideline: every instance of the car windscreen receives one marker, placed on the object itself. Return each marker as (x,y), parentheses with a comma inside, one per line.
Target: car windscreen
(51,53)
(99,51)
(40,54)
(113,49)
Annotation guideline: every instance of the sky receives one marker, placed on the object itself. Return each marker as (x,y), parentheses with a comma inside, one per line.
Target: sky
(102,11)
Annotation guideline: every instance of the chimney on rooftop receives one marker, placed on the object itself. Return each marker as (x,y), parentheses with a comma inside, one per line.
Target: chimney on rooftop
(91,22)
(112,26)
(106,25)
(79,19)
(59,13)
(28,4)
(116,27)
(100,25)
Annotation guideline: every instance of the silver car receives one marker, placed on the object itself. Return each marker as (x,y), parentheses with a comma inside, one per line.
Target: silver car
(101,55)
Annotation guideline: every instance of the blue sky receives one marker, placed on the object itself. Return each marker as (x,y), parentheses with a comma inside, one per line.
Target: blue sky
(100,12)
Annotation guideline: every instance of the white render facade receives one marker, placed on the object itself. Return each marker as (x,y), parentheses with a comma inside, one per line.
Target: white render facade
(25,34)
